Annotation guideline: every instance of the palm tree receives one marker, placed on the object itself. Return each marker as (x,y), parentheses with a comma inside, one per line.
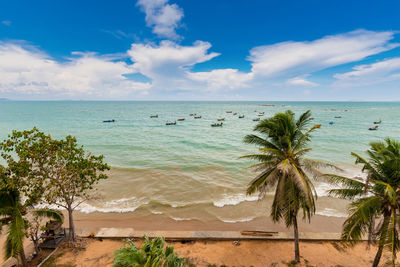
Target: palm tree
(374,199)
(13,213)
(282,145)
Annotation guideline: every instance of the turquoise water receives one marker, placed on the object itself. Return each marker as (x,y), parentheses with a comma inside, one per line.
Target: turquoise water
(153,161)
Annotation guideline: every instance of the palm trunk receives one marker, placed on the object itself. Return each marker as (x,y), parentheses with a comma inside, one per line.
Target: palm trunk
(296,240)
(71,225)
(23,258)
(378,256)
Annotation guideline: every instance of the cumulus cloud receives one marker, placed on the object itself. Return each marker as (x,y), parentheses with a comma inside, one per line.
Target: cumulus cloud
(222,78)
(301,81)
(162,16)
(26,70)
(367,74)
(296,58)
(169,65)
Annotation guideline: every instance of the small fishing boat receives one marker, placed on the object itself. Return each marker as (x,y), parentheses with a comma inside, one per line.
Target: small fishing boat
(193,114)
(170,123)
(221,119)
(378,122)
(256,119)
(241,116)
(109,121)
(331,122)
(235,113)
(217,124)
(229,111)
(312,118)
(338,117)
(154,116)
(261,114)
(197,117)
(181,119)
(373,128)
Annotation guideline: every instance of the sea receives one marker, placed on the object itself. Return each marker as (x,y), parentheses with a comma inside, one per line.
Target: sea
(192,170)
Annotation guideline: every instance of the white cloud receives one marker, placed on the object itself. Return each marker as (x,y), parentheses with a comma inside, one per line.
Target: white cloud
(297,58)
(301,81)
(367,74)
(169,65)
(26,70)
(162,16)
(6,22)
(222,78)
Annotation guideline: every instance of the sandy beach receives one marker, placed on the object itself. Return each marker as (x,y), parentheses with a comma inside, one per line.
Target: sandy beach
(248,253)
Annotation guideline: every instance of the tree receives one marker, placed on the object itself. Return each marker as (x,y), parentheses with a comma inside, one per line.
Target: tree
(374,199)
(152,253)
(59,171)
(13,212)
(282,146)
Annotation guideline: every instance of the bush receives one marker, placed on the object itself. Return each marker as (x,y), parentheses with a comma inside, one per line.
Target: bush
(151,254)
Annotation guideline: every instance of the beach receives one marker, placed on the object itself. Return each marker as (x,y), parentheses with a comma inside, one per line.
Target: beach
(248,253)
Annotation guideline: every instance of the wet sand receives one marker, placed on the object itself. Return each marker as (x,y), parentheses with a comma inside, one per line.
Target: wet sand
(161,222)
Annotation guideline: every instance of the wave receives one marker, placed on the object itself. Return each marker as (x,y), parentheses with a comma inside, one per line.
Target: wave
(233,200)
(331,213)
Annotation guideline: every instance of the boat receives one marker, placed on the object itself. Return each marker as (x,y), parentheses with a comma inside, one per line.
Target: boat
(197,117)
(154,116)
(378,122)
(256,119)
(193,114)
(373,128)
(221,119)
(261,114)
(109,121)
(312,118)
(170,123)
(181,119)
(331,122)
(217,124)
(229,111)
(235,113)
(241,116)
(338,117)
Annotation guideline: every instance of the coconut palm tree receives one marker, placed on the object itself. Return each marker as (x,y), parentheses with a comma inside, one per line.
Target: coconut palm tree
(375,206)
(282,145)
(13,211)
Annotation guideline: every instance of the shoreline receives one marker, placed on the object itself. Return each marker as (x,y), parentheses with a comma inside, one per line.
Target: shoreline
(160,222)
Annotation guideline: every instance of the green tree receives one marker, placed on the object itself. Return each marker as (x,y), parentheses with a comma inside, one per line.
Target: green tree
(282,145)
(59,171)
(374,199)
(14,215)
(151,254)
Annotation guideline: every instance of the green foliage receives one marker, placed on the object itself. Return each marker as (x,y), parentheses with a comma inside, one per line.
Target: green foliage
(14,213)
(52,171)
(152,254)
(375,199)
(282,144)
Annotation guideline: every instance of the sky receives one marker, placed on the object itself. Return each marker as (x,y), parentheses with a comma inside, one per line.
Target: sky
(307,50)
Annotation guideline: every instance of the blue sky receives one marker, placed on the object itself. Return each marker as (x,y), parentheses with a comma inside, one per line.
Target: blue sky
(200,50)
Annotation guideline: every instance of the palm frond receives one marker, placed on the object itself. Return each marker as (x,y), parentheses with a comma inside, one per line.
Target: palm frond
(49,213)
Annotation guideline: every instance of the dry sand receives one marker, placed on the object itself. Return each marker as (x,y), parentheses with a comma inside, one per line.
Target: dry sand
(248,253)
